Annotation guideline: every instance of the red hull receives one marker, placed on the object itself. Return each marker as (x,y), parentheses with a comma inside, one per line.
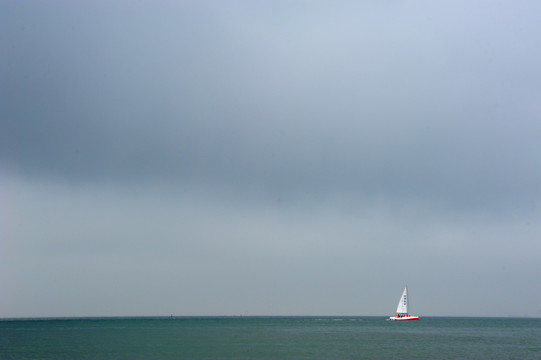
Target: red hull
(404,318)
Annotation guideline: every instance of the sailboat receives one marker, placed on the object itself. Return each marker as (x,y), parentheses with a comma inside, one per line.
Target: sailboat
(402,309)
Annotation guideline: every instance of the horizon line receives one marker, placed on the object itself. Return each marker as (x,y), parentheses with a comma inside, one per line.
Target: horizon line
(173,316)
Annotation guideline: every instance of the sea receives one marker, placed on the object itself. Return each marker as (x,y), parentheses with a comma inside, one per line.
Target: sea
(310,337)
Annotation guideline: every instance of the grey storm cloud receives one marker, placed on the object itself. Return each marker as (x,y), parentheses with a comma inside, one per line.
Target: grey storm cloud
(346,101)
(427,108)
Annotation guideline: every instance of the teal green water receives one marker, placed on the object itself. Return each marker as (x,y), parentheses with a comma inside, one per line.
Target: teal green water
(271,338)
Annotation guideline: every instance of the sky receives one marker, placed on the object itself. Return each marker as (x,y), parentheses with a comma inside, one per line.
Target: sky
(270,158)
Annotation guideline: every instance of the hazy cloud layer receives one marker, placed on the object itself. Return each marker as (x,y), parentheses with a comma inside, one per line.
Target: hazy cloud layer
(277,156)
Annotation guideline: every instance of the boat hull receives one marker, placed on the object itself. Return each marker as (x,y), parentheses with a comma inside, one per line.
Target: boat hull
(404,318)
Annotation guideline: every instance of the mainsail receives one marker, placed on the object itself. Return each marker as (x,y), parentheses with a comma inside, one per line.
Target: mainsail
(402,307)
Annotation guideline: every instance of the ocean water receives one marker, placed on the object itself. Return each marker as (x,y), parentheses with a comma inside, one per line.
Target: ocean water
(270,338)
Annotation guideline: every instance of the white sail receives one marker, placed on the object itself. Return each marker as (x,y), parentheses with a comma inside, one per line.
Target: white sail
(402,307)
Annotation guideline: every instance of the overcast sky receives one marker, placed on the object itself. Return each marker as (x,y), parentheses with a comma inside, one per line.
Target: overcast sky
(270,157)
